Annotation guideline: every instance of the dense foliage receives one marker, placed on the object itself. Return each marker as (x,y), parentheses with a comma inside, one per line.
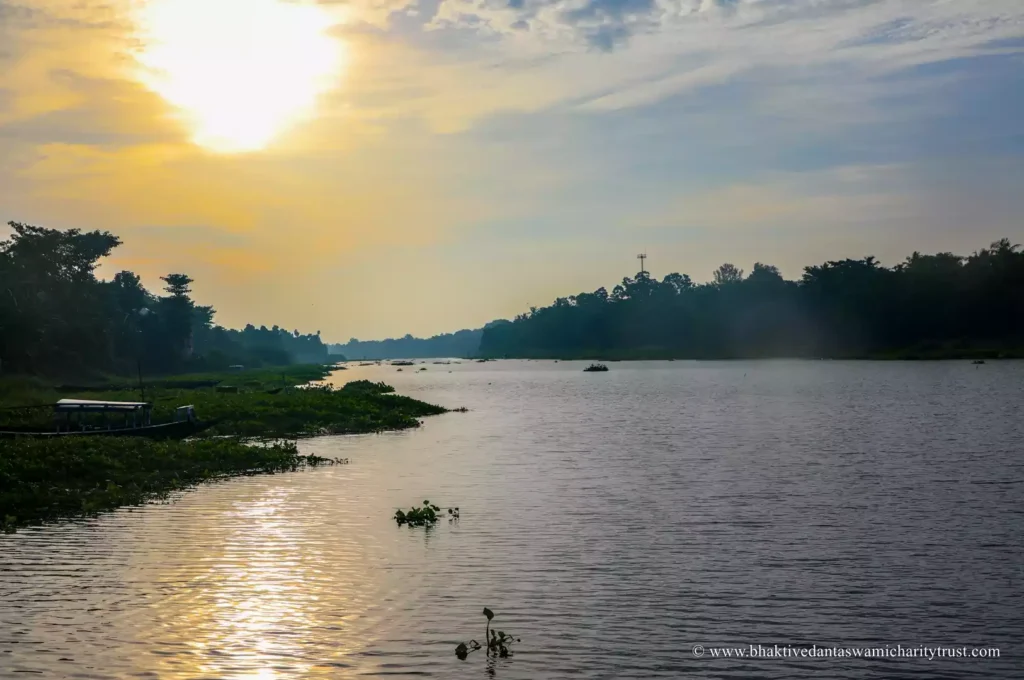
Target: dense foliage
(927,306)
(251,403)
(47,479)
(464,343)
(56,317)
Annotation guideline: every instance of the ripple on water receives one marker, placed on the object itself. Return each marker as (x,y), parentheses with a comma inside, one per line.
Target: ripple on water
(612,521)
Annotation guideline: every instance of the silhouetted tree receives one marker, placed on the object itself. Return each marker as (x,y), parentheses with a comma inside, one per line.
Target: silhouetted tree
(57,317)
(940,303)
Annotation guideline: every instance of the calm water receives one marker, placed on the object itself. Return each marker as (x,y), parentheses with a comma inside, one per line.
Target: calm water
(611,520)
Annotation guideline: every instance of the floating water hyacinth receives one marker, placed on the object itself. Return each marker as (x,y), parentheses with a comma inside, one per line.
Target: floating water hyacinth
(424,516)
(498,642)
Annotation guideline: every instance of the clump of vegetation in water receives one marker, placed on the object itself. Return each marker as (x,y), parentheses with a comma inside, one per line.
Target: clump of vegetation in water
(368,386)
(52,478)
(498,642)
(425,516)
(48,479)
(249,409)
(595,368)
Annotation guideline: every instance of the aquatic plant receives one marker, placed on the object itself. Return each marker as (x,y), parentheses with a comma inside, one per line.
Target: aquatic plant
(368,386)
(280,412)
(47,479)
(498,642)
(43,480)
(595,368)
(425,516)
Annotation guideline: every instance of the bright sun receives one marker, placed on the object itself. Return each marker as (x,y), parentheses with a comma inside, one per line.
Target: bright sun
(239,71)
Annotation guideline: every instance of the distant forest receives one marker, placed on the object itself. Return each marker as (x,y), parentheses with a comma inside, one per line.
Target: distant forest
(57,318)
(464,343)
(939,306)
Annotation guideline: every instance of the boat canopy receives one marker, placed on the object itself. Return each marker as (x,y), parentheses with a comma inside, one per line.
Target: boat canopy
(90,406)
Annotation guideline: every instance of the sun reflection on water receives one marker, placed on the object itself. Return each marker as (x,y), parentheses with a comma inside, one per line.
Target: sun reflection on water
(255,609)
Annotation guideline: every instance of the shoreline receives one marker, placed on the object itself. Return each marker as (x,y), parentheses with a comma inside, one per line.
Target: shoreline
(967,355)
(51,479)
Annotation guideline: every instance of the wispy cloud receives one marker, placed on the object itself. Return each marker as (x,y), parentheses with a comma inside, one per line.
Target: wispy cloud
(508,132)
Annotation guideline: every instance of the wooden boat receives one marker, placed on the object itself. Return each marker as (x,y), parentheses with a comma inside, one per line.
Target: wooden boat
(71,416)
(161,431)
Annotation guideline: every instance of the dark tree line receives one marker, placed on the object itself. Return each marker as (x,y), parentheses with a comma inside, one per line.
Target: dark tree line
(928,305)
(58,318)
(464,343)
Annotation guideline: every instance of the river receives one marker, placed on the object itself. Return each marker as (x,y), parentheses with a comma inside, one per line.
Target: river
(612,521)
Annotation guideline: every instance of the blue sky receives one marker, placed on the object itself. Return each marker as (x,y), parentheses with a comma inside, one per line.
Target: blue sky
(469,158)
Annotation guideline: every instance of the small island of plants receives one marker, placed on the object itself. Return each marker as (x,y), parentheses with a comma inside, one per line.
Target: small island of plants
(426,515)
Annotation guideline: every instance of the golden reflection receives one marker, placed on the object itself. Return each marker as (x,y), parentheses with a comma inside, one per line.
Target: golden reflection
(239,71)
(257,608)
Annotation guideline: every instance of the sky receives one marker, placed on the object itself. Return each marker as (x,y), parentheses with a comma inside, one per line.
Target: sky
(371,168)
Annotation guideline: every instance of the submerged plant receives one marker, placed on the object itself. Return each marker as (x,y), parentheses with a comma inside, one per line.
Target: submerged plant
(498,642)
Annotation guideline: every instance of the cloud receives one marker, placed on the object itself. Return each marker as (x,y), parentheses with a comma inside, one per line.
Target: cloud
(467,60)
(504,132)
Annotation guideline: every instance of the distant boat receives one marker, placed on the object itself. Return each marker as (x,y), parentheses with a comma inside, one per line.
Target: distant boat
(595,368)
(978,362)
(185,422)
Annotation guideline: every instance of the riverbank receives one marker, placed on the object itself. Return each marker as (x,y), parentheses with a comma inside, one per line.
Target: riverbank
(44,480)
(256,403)
(907,354)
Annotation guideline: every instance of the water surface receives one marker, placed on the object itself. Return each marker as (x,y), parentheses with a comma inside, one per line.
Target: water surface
(611,520)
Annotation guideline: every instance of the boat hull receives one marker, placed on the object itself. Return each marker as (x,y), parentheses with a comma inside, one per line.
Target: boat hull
(179,430)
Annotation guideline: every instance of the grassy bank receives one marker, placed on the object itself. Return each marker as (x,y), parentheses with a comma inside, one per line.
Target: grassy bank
(49,479)
(42,479)
(254,403)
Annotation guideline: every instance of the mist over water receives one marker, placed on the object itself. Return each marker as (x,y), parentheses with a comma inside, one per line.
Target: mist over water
(612,521)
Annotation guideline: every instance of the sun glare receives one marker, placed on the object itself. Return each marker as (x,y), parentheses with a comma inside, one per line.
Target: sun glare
(238,71)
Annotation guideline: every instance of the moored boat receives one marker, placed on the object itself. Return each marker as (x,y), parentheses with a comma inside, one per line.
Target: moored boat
(92,418)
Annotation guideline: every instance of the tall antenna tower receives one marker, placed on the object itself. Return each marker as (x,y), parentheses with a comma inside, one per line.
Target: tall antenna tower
(642,257)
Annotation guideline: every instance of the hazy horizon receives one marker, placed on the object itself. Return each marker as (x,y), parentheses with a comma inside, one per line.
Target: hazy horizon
(377,169)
